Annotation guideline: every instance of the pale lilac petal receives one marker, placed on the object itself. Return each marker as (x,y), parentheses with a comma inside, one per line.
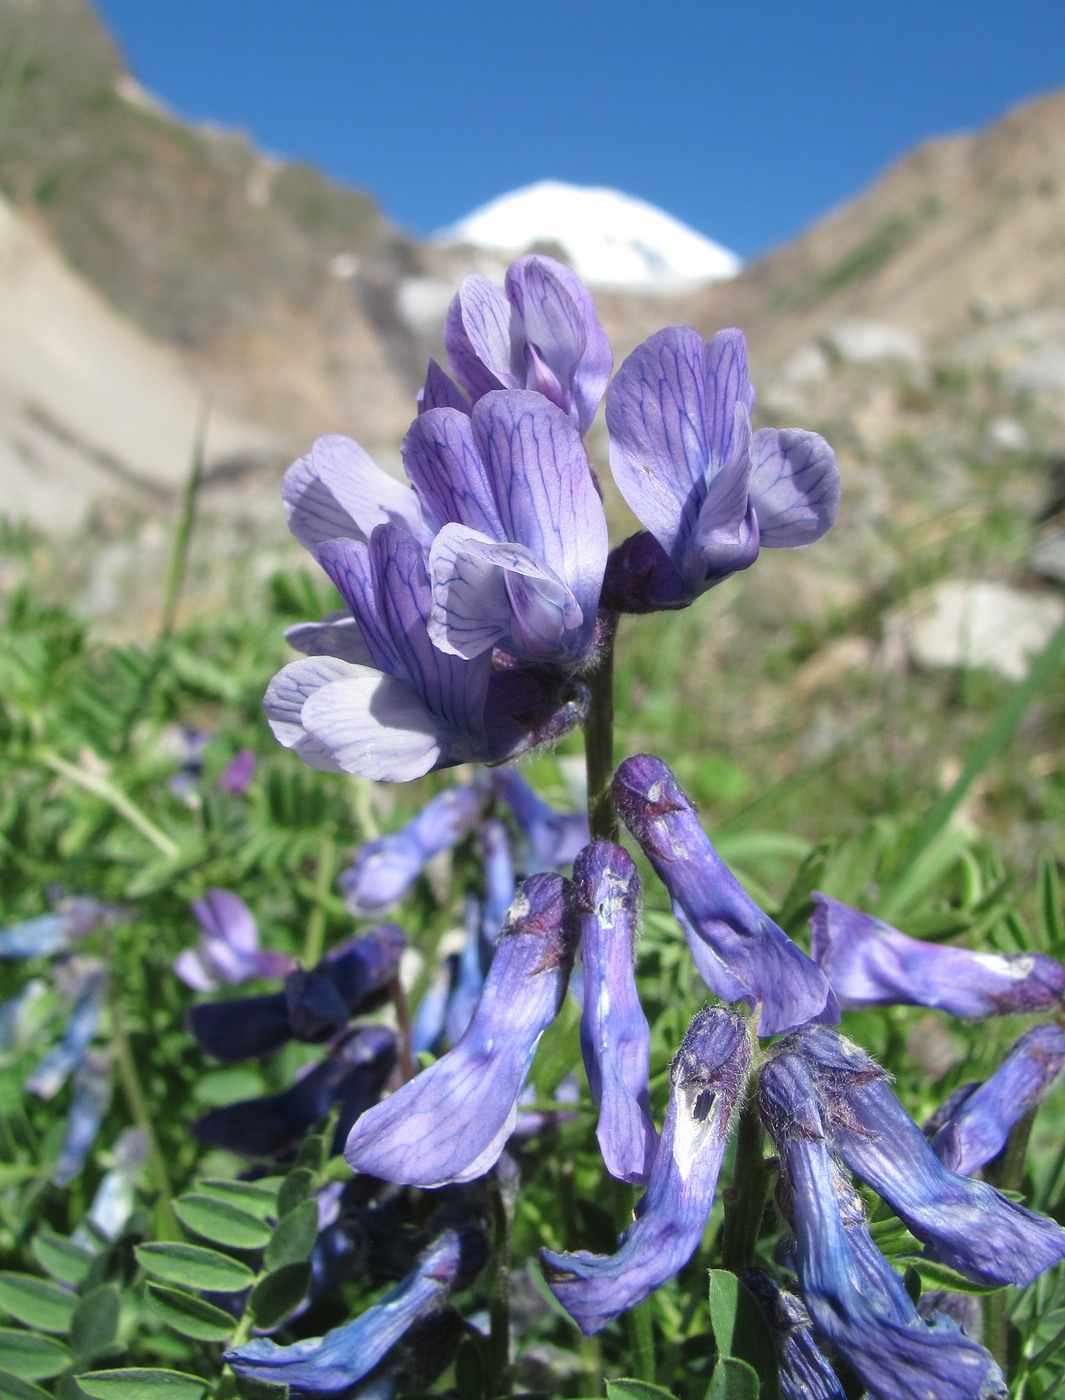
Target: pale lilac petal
(546,494)
(225,918)
(554,328)
(869,963)
(725,539)
(191,968)
(444,463)
(376,727)
(487,594)
(592,373)
(615,1037)
(729,395)
(351,571)
(286,696)
(739,951)
(337,634)
(795,487)
(977,1129)
(707,1079)
(657,415)
(477,335)
(439,391)
(450,1123)
(239,773)
(337,490)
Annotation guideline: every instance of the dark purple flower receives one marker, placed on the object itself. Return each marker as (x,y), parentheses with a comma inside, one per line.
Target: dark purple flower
(803,1370)
(709,493)
(707,1080)
(229,945)
(405,708)
(313,1006)
(338,492)
(521,539)
(615,1037)
(869,963)
(857,1302)
(499,882)
(450,1122)
(384,870)
(335,1362)
(352,1075)
(967,1223)
(980,1120)
(552,838)
(740,952)
(541,332)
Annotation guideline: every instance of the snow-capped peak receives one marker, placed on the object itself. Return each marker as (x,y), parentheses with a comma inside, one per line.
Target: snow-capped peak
(609,238)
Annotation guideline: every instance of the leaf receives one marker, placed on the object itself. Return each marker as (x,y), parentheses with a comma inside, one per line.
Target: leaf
(36,1302)
(191,1316)
(741,1330)
(94,1329)
(256,1197)
(61,1257)
(295,1236)
(636,1390)
(295,1189)
(1050,912)
(733,1380)
(221,1222)
(31,1356)
(250,1389)
(278,1294)
(224,1086)
(194,1267)
(143,1384)
(14,1387)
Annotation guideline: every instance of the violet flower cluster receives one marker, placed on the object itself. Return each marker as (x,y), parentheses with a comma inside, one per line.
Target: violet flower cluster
(480,596)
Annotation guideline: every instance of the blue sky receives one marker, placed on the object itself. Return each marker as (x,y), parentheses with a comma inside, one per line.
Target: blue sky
(746,120)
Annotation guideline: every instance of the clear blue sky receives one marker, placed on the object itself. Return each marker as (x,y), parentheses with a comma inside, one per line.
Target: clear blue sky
(746,120)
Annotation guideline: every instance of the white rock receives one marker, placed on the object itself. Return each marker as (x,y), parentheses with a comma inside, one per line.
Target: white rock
(1007,435)
(422,302)
(861,342)
(978,623)
(808,365)
(1048,557)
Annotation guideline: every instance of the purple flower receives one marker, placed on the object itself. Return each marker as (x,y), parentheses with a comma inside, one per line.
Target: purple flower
(335,1362)
(615,1037)
(88,989)
(73,918)
(352,1075)
(521,539)
(313,1006)
(236,777)
(384,870)
(981,1115)
(856,1300)
(499,883)
(338,492)
(553,839)
(404,707)
(541,332)
(450,1123)
(229,945)
(804,1372)
(92,1095)
(966,1223)
(115,1197)
(707,1079)
(871,964)
(740,952)
(709,493)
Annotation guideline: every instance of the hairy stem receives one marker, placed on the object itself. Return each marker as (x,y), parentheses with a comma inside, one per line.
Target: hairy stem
(115,798)
(745,1200)
(599,737)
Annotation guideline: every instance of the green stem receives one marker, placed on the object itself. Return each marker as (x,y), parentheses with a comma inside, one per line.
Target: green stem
(167,1227)
(642,1341)
(179,554)
(314,939)
(745,1199)
(499,1307)
(115,798)
(599,738)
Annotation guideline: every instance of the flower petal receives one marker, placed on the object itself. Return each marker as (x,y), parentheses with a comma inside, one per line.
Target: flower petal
(795,486)
(869,963)
(337,490)
(740,952)
(729,395)
(478,338)
(615,1037)
(450,1123)
(707,1079)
